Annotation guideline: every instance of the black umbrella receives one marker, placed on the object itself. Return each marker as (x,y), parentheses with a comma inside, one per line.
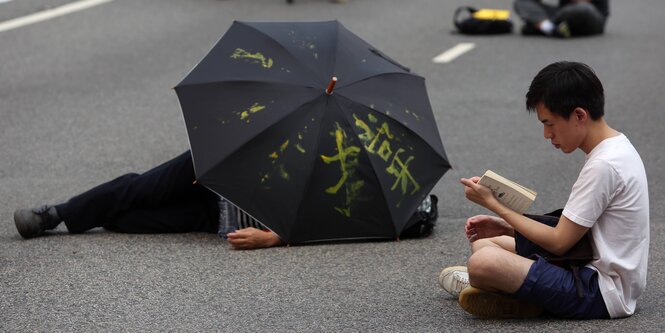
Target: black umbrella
(271,132)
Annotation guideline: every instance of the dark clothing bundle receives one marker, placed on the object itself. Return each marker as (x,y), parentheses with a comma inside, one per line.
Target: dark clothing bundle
(161,200)
(583,18)
(603,6)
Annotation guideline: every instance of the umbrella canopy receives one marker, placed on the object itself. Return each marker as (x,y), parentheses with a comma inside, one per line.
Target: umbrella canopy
(269,133)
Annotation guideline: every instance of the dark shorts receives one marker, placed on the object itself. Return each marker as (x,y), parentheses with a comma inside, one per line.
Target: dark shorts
(553,288)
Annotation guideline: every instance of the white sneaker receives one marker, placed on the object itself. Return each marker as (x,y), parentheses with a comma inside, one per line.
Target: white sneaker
(454,279)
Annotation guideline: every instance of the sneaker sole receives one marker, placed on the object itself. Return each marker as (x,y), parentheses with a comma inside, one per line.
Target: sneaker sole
(487,304)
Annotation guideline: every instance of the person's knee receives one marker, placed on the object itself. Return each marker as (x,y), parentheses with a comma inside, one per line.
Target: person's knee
(582,7)
(483,265)
(479,244)
(519,2)
(580,12)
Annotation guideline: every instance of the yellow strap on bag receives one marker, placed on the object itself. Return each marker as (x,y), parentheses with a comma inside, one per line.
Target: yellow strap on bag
(491,14)
(472,21)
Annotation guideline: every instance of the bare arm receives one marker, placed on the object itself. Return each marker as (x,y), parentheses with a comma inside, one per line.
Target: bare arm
(252,238)
(486,226)
(556,240)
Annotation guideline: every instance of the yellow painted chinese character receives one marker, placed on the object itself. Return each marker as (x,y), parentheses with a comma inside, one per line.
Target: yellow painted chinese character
(370,138)
(255,57)
(400,169)
(346,156)
(352,192)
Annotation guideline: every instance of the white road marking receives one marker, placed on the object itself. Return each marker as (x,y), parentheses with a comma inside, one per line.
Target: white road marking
(453,53)
(49,14)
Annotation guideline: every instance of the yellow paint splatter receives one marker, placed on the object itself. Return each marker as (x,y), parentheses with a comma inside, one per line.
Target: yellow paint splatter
(284,145)
(274,155)
(412,113)
(256,107)
(256,57)
(283,173)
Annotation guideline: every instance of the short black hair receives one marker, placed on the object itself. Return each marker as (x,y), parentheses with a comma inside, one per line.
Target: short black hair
(564,86)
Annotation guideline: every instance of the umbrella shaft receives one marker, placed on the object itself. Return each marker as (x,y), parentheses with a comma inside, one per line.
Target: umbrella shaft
(331,85)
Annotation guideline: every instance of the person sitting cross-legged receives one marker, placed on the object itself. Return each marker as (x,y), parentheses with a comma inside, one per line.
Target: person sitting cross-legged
(609,200)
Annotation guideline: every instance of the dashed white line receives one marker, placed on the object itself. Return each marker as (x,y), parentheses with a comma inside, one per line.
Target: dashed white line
(453,53)
(49,14)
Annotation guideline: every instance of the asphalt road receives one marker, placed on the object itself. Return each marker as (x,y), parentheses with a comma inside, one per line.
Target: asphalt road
(87,97)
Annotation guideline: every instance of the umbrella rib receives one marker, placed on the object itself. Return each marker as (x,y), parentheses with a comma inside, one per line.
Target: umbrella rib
(258,185)
(248,81)
(311,172)
(334,52)
(375,76)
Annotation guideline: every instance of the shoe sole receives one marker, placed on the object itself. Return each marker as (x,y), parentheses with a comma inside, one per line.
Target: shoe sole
(491,305)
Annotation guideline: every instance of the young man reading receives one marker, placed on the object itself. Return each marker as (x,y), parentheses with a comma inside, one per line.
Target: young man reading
(609,200)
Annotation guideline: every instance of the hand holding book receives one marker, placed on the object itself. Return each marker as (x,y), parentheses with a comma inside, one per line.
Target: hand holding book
(507,192)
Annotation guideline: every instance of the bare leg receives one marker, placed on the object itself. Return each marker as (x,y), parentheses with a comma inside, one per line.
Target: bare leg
(494,264)
(502,242)
(495,268)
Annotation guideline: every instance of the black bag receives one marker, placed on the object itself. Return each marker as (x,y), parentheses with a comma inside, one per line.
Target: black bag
(422,222)
(577,256)
(480,26)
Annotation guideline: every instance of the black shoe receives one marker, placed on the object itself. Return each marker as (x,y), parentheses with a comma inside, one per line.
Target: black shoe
(562,30)
(530,30)
(33,222)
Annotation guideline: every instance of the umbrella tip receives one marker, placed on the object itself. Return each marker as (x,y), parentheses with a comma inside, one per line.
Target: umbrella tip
(331,85)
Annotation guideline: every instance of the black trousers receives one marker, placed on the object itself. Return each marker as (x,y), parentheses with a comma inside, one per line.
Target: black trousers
(161,200)
(583,18)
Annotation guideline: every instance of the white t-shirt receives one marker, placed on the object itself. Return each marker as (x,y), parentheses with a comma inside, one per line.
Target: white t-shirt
(611,197)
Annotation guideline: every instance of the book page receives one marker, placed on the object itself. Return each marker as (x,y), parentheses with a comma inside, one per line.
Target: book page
(509,193)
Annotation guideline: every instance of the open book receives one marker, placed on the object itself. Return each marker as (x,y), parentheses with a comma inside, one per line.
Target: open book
(509,193)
